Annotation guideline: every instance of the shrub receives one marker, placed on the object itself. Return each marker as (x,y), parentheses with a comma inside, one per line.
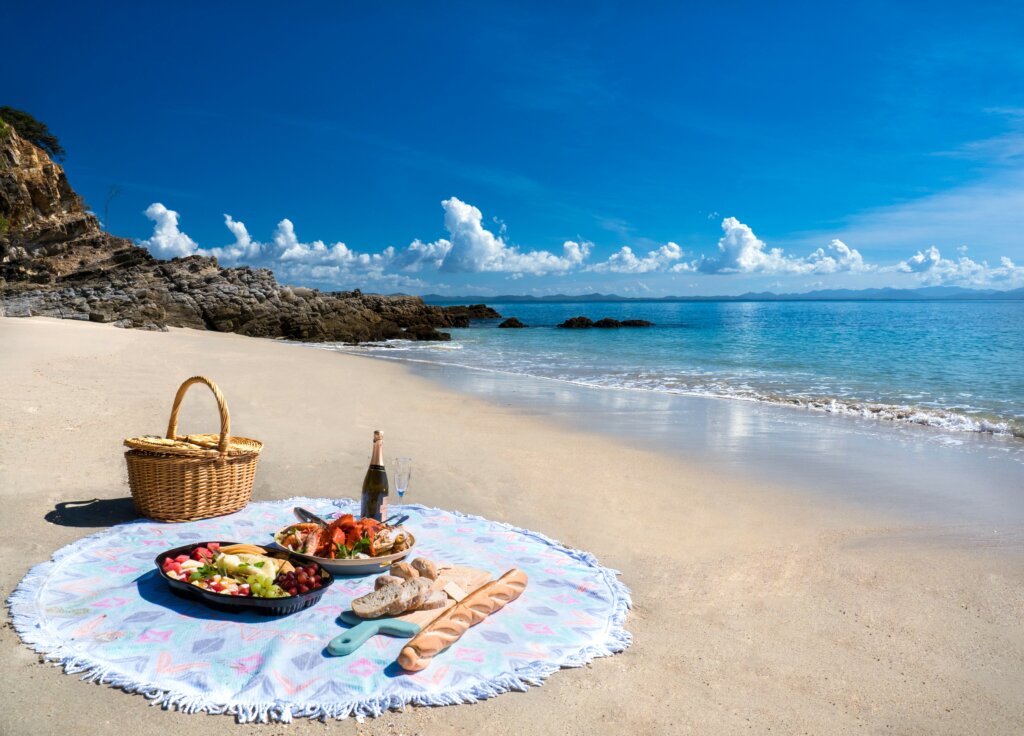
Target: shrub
(32,130)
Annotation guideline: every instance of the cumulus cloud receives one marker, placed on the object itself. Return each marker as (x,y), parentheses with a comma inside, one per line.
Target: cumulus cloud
(244,247)
(471,248)
(419,255)
(475,249)
(626,261)
(741,251)
(289,248)
(839,257)
(167,241)
(931,268)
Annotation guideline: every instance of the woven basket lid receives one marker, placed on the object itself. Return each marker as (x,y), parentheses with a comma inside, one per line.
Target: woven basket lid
(197,445)
(194,445)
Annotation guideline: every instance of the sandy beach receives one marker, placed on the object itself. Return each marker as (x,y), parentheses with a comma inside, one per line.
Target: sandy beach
(756,608)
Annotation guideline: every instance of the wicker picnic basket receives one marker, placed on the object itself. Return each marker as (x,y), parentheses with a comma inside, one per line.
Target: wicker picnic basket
(195,476)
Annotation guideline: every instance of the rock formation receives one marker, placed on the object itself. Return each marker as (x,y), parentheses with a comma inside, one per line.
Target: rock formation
(56,261)
(580,323)
(513,323)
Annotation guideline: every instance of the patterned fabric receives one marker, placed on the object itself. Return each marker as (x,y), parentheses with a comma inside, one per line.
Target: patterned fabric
(100,608)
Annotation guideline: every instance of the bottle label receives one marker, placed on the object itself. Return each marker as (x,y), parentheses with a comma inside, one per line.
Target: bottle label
(383,508)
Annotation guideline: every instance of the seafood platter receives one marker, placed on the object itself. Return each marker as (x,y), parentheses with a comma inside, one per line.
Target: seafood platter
(347,545)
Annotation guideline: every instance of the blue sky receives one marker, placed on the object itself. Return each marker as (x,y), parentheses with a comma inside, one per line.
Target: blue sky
(525,148)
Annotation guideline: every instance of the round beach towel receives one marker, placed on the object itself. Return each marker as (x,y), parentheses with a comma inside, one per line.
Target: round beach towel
(99,608)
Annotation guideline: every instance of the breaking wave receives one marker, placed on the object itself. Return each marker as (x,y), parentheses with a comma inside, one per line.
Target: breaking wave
(547,367)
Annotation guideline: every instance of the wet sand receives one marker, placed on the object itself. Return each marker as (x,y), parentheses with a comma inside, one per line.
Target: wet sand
(758,605)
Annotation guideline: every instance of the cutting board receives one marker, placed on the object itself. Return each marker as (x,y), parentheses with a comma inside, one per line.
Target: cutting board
(408,624)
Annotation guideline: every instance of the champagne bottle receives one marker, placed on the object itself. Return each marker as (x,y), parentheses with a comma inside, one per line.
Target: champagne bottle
(375,484)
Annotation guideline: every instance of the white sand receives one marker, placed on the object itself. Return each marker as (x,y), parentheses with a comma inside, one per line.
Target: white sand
(756,609)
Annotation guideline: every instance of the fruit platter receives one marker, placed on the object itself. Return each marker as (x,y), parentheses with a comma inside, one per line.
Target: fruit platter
(347,545)
(233,576)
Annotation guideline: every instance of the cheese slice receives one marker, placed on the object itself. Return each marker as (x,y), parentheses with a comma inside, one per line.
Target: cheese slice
(454,591)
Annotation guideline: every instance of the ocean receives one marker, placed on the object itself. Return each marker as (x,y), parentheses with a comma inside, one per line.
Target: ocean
(958,366)
(913,409)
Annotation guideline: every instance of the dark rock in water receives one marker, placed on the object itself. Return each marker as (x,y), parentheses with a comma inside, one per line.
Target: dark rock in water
(465,313)
(512,322)
(604,323)
(425,333)
(56,261)
(636,323)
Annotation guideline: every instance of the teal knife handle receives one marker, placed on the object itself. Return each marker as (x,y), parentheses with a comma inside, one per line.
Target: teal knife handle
(352,639)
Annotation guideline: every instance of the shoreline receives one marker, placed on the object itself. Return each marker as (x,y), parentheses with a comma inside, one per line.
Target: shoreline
(929,471)
(762,607)
(949,420)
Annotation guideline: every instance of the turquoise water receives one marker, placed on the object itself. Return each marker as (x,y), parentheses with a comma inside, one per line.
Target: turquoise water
(958,366)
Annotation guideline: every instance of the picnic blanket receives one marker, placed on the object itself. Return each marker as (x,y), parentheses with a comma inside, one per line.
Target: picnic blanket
(100,609)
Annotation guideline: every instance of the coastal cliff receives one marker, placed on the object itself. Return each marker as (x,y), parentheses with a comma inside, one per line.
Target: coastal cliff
(56,261)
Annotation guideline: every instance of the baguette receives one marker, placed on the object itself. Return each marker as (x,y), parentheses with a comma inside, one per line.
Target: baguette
(452,623)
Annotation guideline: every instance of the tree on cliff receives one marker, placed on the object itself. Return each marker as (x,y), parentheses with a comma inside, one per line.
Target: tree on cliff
(32,130)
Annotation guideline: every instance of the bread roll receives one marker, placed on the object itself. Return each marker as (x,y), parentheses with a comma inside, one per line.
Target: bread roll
(404,570)
(425,568)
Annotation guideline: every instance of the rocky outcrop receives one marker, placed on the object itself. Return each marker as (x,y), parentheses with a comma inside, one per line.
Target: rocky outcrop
(512,323)
(462,314)
(577,323)
(581,323)
(636,323)
(56,261)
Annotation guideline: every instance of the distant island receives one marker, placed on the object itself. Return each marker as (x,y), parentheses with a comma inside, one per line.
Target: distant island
(924,293)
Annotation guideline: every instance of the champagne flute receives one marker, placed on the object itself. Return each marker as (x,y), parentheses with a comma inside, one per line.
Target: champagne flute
(403,474)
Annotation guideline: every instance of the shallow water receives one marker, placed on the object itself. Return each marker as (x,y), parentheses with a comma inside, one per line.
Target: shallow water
(954,365)
(974,482)
(912,409)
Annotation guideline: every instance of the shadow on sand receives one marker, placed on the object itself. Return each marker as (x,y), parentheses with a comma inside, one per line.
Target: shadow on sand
(96,512)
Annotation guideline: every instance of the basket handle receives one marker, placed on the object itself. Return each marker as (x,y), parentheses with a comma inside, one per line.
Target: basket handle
(222,407)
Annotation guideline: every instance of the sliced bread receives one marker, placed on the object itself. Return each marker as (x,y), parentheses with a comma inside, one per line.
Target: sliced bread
(437,599)
(411,595)
(377,603)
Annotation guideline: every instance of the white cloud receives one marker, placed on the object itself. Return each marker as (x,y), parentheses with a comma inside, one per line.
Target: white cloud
(244,247)
(626,261)
(931,268)
(167,240)
(336,264)
(841,258)
(475,249)
(317,253)
(741,251)
(419,255)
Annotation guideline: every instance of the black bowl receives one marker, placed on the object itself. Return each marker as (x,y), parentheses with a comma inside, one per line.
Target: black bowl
(236,604)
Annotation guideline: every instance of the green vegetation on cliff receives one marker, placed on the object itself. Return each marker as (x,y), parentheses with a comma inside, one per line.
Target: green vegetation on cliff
(31,130)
